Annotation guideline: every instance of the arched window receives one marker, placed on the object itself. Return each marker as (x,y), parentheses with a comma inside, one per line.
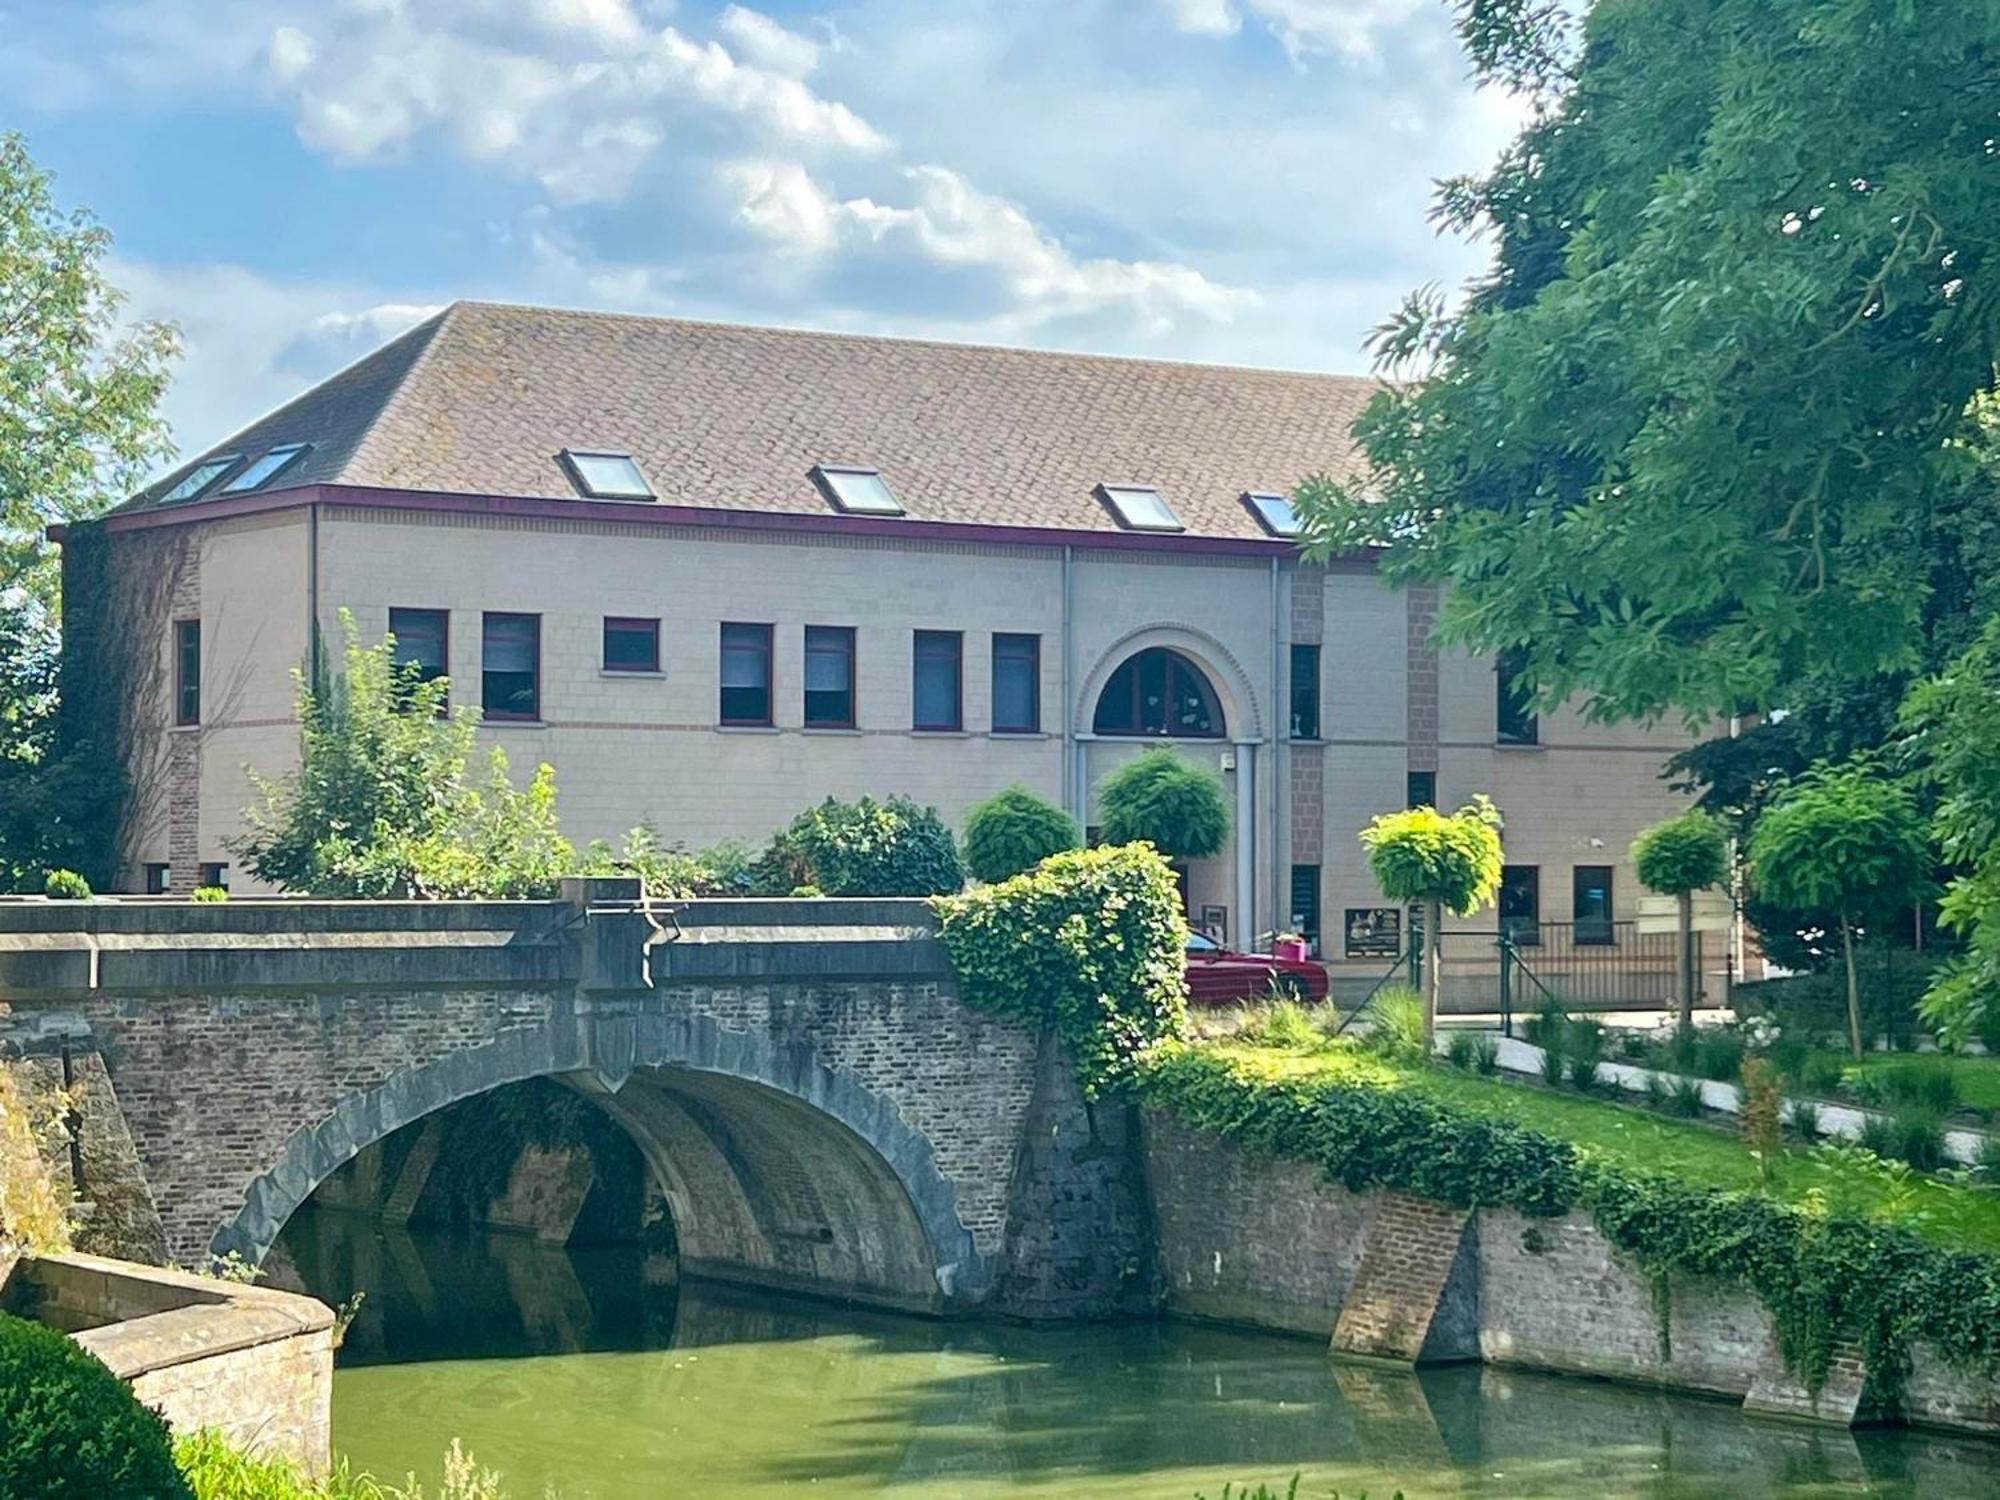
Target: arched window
(1159,692)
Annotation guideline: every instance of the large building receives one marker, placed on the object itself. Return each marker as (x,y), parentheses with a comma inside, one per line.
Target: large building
(713,574)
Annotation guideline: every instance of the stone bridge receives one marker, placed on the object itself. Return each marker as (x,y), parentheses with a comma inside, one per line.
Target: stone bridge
(816,1104)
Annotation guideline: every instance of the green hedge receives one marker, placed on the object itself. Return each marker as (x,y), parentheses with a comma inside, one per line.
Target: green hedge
(865,848)
(70,1429)
(1091,942)
(1822,1276)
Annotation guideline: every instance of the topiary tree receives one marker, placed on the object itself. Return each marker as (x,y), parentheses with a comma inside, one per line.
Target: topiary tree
(1677,858)
(864,848)
(1162,800)
(1015,830)
(1844,841)
(1449,863)
(71,1430)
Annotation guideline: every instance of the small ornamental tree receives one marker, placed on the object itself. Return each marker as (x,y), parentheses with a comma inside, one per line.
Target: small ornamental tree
(1843,841)
(865,848)
(1015,830)
(1449,863)
(1162,800)
(1677,858)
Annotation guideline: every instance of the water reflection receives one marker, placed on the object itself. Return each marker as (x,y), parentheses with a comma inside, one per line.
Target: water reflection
(597,1375)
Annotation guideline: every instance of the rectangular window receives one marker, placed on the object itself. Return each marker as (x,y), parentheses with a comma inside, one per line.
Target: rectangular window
(746,674)
(1591,889)
(1521,903)
(510,666)
(1517,722)
(938,664)
(215,875)
(829,676)
(1305,692)
(1422,789)
(1017,684)
(1305,904)
(422,640)
(187,671)
(158,879)
(631,645)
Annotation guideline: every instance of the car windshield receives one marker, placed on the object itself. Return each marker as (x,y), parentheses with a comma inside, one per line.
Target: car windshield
(1196,943)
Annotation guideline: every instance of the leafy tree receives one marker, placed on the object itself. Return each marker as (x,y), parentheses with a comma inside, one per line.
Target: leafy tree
(1449,863)
(864,848)
(1677,858)
(1015,830)
(1162,800)
(1846,842)
(381,804)
(79,428)
(1694,438)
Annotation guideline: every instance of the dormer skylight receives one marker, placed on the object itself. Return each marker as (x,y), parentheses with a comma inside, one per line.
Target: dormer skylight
(602,475)
(1273,512)
(201,476)
(261,472)
(1139,509)
(857,491)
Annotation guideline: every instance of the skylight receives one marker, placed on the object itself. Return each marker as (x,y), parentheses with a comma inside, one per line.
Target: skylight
(265,469)
(1273,512)
(1139,509)
(606,476)
(858,491)
(201,476)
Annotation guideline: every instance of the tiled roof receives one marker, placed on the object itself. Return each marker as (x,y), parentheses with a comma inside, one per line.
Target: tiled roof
(481,398)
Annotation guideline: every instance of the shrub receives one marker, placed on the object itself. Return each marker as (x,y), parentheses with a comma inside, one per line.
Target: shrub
(1459,1048)
(1657,1091)
(1684,1098)
(1092,942)
(867,848)
(1805,1121)
(1015,830)
(1280,1023)
(1397,1024)
(1877,1136)
(70,1429)
(1989,1159)
(66,885)
(667,872)
(1554,1066)
(1821,1075)
(1548,1027)
(210,893)
(1718,1054)
(1917,1137)
(1583,1073)
(1162,800)
(1927,1084)
(1486,1057)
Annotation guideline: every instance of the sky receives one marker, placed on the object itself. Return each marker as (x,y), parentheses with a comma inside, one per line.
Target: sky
(1244,181)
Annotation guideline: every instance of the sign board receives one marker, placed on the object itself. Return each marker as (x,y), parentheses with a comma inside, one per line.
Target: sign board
(1662,913)
(1214,924)
(1374,932)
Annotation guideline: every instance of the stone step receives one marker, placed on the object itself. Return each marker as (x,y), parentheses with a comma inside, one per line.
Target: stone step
(1406,1268)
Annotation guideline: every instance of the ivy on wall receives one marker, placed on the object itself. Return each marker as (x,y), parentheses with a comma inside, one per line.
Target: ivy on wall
(1822,1276)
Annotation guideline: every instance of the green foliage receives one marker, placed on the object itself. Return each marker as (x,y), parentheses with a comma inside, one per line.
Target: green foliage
(1804,1119)
(1091,942)
(1280,1023)
(66,885)
(1842,841)
(381,804)
(1683,854)
(1015,830)
(1162,800)
(1684,1098)
(666,871)
(864,848)
(1823,1275)
(1608,462)
(1917,1137)
(70,1429)
(218,1471)
(1461,1047)
(1421,854)
(209,893)
(1396,1024)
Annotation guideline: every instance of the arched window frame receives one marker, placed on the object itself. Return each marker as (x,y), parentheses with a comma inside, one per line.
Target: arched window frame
(1184,680)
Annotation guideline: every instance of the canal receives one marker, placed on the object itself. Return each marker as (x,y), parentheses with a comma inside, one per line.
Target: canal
(596,1374)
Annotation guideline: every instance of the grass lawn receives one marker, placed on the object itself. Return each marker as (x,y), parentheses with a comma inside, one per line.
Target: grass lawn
(1966,1218)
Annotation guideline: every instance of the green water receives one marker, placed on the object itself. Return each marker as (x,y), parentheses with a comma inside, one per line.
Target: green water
(578,1372)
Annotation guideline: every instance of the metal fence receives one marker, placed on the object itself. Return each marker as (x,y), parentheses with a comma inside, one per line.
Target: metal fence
(1589,966)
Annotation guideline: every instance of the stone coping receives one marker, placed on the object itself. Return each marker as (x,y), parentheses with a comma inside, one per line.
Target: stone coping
(139,1319)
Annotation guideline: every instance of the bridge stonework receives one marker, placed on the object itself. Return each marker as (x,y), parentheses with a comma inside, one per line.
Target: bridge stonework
(821,1109)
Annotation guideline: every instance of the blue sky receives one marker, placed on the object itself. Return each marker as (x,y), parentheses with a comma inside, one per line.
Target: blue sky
(1238,180)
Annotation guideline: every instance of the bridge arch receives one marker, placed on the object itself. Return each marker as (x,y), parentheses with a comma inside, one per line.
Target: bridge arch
(778,1168)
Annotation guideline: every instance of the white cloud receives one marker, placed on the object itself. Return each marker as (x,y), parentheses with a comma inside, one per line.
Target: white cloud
(951,224)
(1205,17)
(767,44)
(576,94)
(1344,28)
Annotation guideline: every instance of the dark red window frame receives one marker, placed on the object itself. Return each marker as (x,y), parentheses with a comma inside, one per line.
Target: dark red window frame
(1023,648)
(742,636)
(533,711)
(938,646)
(1121,708)
(632,625)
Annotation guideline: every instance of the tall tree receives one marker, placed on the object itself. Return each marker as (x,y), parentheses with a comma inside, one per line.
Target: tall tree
(1450,864)
(1692,439)
(79,428)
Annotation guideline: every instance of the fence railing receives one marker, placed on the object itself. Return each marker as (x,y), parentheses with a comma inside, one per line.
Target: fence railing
(1582,966)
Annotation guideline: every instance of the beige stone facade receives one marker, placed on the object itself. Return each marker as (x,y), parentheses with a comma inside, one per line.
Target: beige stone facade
(633,747)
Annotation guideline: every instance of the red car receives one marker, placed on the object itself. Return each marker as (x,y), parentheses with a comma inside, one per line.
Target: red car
(1219,976)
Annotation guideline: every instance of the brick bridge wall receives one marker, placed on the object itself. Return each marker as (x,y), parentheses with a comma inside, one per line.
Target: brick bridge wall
(821,1107)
